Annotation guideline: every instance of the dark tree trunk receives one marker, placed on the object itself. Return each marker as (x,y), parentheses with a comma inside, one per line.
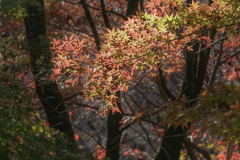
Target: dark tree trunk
(105,16)
(91,23)
(132,8)
(114,134)
(196,65)
(40,56)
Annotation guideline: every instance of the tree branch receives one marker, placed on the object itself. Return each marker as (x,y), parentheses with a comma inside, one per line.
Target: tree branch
(144,138)
(164,85)
(148,138)
(105,16)
(72,96)
(214,71)
(190,151)
(118,14)
(91,23)
(194,146)
(232,55)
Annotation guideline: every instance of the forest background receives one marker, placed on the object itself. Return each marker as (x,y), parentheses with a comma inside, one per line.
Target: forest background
(119,79)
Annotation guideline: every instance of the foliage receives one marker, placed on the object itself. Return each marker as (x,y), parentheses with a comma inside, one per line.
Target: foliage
(23,134)
(220,111)
(144,42)
(158,39)
(12,9)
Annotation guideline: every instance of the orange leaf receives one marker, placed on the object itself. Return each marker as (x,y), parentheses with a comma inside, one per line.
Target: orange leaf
(76,137)
(116,109)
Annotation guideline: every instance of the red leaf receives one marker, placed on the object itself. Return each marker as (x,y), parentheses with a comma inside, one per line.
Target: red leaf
(57,71)
(136,150)
(116,109)
(76,137)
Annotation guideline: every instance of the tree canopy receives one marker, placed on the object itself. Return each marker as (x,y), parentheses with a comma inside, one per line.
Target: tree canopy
(169,67)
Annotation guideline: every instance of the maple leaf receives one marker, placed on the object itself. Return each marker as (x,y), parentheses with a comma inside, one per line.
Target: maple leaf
(52,77)
(66,63)
(115,109)
(76,137)
(134,35)
(236,105)
(126,152)
(57,71)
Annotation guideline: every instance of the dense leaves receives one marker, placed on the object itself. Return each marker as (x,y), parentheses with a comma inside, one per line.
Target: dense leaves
(154,44)
(148,41)
(23,134)
(159,39)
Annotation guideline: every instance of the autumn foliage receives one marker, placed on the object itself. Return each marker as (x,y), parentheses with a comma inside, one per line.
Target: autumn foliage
(149,41)
(155,47)
(153,40)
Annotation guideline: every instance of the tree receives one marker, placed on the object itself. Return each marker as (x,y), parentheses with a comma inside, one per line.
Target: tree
(24,135)
(146,40)
(40,56)
(130,66)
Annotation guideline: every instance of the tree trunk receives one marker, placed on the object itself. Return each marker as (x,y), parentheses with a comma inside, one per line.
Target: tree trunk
(40,56)
(196,65)
(114,134)
(132,8)
(113,121)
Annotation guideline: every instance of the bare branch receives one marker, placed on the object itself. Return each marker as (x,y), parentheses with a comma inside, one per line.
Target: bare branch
(212,44)
(148,138)
(230,149)
(105,16)
(149,101)
(128,103)
(111,11)
(85,105)
(88,135)
(72,96)
(143,138)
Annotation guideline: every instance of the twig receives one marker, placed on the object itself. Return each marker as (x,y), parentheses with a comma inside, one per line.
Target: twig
(91,23)
(148,138)
(72,96)
(230,149)
(104,13)
(85,105)
(232,55)
(212,44)
(88,135)
(156,106)
(143,138)
(111,11)
(128,103)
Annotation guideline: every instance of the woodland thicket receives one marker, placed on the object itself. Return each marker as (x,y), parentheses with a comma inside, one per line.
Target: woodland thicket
(117,79)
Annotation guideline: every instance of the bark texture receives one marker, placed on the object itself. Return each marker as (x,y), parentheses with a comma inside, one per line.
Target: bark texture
(40,56)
